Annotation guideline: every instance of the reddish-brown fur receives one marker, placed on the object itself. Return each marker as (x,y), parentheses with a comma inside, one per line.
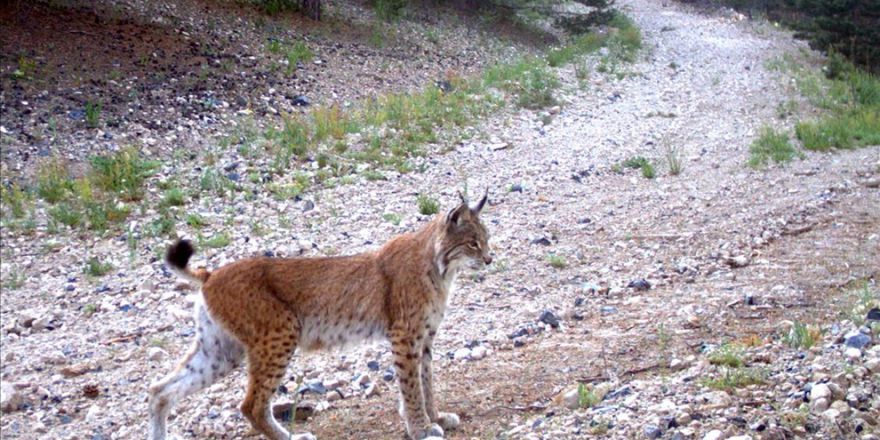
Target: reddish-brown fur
(271,306)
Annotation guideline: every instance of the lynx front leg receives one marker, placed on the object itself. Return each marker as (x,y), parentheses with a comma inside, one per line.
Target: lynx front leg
(446,421)
(406,349)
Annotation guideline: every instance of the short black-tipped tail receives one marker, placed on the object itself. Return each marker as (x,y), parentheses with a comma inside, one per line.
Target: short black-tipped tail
(177,257)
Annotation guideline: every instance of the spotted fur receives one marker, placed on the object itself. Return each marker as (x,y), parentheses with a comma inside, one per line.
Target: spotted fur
(262,309)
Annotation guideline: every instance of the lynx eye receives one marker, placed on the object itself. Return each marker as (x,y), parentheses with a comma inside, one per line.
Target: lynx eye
(473,245)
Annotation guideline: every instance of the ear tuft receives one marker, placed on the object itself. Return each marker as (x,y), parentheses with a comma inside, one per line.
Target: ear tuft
(481,203)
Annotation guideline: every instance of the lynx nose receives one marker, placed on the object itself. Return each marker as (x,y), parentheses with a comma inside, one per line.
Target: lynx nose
(487,259)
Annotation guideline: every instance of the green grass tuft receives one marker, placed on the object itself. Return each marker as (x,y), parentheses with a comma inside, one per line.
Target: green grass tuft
(771,146)
(123,173)
(96,268)
(727,355)
(733,378)
(802,336)
(557,261)
(427,205)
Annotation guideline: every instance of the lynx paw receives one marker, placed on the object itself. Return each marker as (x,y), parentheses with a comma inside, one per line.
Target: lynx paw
(432,432)
(448,420)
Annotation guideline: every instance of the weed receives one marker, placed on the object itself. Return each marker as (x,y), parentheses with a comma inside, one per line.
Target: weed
(392,218)
(173,197)
(389,10)
(860,301)
(96,268)
(557,261)
(673,160)
(587,397)
(220,240)
(771,145)
(648,171)
(15,200)
(195,221)
(214,182)
(66,214)
(733,378)
(528,79)
(26,68)
(372,175)
(298,53)
(123,173)
(93,114)
(377,37)
(663,337)
(13,280)
(164,226)
(802,336)
(427,205)
(727,355)
(89,309)
(53,181)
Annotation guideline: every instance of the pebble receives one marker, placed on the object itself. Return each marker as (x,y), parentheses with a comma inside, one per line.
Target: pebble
(856,339)
(714,434)
(11,398)
(156,354)
(549,318)
(852,353)
(652,431)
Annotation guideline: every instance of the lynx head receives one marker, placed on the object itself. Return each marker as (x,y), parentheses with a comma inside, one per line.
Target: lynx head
(465,238)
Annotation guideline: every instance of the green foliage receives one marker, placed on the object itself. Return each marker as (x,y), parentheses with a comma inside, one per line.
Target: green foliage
(297,53)
(93,114)
(96,268)
(427,205)
(53,181)
(389,10)
(557,261)
(844,131)
(123,173)
(528,79)
(392,218)
(673,160)
(220,240)
(802,336)
(173,197)
(733,378)
(859,301)
(587,397)
(15,200)
(727,355)
(195,221)
(273,7)
(771,145)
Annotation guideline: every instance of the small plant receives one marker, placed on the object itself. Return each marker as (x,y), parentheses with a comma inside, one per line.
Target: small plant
(220,240)
(67,214)
(587,397)
(373,175)
(15,200)
(53,181)
(96,268)
(663,337)
(164,226)
(389,10)
(123,173)
(173,197)
(727,355)
(195,221)
(557,261)
(861,300)
(771,145)
(648,171)
(392,218)
(733,378)
(298,53)
(89,309)
(802,336)
(93,114)
(427,205)
(673,161)
(13,280)
(26,68)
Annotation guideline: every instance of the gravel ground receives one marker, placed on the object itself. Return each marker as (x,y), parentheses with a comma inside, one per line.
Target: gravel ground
(658,272)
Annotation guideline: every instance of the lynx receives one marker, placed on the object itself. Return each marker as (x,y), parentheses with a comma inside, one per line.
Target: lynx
(263,309)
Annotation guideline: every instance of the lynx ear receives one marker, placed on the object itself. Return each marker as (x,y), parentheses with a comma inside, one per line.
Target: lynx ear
(476,209)
(454,216)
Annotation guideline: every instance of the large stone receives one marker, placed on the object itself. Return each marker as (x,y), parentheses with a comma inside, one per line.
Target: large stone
(714,434)
(11,399)
(820,391)
(856,339)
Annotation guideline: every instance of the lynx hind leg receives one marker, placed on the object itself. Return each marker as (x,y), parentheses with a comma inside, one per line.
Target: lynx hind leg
(267,363)
(213,355)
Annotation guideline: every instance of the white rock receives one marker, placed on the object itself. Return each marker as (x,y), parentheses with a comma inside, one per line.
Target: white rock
(852,353)
(831,414)
(462,353)
(478,353)
(819,405)
(841,407)
(714,434)
(820,391)
(156,354)
(873,365)
(10,398)
(740,437)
